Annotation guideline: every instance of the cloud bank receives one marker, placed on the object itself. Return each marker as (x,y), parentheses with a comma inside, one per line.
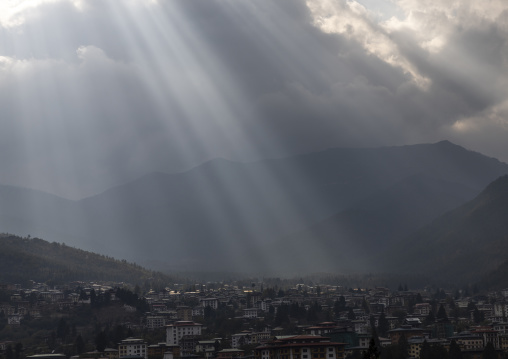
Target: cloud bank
(95,93)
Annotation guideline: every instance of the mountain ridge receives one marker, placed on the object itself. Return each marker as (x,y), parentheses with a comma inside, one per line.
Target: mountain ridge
(226,215)
(466,242)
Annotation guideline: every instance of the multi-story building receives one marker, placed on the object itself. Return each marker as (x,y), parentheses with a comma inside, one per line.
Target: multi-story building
(133,347)
(175,331)
(468,341)
(157,350)
(321,329)
(184,313)
(209,302)
(408,333)
(488,334)
(250,313)
(301,347)
(207,348)
(155,321)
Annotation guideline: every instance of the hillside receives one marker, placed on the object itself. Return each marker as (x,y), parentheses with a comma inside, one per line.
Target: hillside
(24,259)
(360,233)
(465,243)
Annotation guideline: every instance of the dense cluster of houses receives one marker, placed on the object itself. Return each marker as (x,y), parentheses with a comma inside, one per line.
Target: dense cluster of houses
(406,314)
(354,317)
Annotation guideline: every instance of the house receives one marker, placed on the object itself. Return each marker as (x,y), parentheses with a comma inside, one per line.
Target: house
(176,331)
(250,313)
(14,319)
(229,353)
(209,302)
(207,348)
(155,321)
(132,347)
(468,341)
(408,333)
(301,347)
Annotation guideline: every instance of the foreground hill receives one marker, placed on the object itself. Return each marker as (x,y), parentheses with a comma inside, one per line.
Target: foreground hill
(225,215)
(24,259)
(465,243)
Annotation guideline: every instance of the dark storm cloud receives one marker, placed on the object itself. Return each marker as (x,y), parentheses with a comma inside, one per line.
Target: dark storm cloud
(94,93)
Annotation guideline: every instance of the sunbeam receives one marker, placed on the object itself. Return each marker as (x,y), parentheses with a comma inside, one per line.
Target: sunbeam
(187,126)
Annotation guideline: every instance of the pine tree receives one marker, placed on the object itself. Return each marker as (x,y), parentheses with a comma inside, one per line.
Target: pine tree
(79,343)
(430,319)
(101,341)
(425,353)
(383,325)
(372,352)
(403,347)
(489,352)
(18,348)
(454,352)
(441,313)
(8,352)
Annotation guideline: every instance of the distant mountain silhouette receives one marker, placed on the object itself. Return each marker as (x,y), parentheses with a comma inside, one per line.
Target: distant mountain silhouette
(467,242)
(224,215)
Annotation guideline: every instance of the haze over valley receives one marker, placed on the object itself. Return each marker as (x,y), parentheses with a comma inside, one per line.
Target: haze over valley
(339,210)
(271,137)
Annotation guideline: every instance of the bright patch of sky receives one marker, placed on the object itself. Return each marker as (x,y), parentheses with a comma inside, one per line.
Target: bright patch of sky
(382,9)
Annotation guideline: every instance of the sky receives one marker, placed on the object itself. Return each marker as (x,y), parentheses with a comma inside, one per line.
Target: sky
(94,93)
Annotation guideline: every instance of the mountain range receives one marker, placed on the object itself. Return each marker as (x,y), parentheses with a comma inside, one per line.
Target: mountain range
(339,209)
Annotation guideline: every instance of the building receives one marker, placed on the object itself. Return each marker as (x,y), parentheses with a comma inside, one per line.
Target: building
(250,313)
(301,347)
(158,350)
(207,348)
(184,313)
(488,334)
(229,353)
(408,333)
(468,341)
(176,331)
(240,339)
(111,353)
(345,335)
(415,345)
(132,347)
(209,302)
(155,321)
(321,329)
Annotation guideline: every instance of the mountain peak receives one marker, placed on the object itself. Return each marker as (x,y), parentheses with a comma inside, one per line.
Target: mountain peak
(446,143)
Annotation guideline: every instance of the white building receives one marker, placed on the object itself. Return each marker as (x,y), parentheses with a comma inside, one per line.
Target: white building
(210,302)
(250,313)
(132,347)
(175,332)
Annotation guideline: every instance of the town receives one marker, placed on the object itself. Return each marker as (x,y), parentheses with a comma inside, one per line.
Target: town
(227,320)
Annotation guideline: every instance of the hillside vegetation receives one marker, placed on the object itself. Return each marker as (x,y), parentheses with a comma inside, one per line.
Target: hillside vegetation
(24,259)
